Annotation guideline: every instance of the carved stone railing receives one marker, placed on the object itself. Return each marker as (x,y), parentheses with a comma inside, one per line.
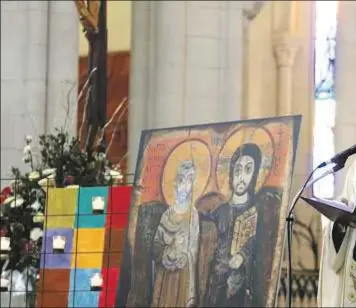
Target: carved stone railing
(304,288)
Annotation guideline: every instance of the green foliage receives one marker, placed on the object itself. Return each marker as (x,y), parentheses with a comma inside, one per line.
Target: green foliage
(65,155)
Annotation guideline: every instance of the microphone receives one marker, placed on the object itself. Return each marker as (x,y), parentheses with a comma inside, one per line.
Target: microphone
(340,158)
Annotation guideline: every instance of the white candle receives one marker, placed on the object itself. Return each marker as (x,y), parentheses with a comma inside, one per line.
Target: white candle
(96,281)
(5,244)
(98,204)
(59,242)
(4,284)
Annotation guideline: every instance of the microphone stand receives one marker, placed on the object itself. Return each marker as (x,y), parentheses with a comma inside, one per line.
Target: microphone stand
(290,217)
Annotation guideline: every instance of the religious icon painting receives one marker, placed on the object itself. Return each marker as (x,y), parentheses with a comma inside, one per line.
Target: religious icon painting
(207,215)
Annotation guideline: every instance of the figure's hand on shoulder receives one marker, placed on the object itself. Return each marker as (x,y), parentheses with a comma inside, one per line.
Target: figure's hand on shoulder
(236,261)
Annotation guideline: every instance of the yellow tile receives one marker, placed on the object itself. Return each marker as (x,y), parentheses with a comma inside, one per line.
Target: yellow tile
(89,260)
(88,248)
(61,207)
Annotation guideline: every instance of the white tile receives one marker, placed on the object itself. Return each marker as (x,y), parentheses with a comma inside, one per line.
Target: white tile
(12,97)
(7,6)
(62,6)
(35,101)
(203,82)
(201,110)
(36,66)
(203,52)
(234,24)
(214,5)
(170,79)
(10,158)
(168,111)
(37,27)
(38,5)
(204,22)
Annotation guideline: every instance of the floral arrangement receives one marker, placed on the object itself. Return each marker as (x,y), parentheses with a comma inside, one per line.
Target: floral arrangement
(58,161)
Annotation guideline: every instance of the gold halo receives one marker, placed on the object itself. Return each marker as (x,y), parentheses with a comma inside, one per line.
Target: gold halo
(199,153)
(259,136)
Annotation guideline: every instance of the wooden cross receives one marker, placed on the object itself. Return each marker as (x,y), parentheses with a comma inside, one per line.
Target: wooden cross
(89,14)
(93,18)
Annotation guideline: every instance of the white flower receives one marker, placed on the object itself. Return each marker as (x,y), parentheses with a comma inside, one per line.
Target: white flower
(18,201)
(38,218)
(4,283)
(116,174)
(47,172)
(27,149)
(35,234)
(28,139)
(9,199)
(48,181)
(72,186)
(18,284)
(36,205)
(100,156)
(34,175)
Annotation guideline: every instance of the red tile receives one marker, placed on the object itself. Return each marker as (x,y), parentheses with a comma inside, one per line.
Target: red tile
(110,282)
(118,207)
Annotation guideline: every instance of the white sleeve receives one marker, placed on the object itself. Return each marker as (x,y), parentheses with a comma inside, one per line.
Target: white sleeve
(335,258)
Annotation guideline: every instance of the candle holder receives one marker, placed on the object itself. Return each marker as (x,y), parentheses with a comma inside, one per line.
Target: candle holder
(5,245)
(4,284)
(58,243)
(98,205)
(96,282)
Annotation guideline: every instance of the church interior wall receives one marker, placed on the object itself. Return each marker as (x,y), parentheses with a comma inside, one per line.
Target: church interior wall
(23,78)
(294,19)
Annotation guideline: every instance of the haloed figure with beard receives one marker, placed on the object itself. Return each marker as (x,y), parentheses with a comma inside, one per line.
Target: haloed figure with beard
(229,281)
(176,245)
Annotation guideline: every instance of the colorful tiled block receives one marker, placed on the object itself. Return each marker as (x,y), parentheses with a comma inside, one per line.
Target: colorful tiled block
(54,280)
(49,259)
(118,207)
(61,207)
(52,288)
(80,291)
(94,243)
(88,248)
(85,217)
(113,247)
(53,300)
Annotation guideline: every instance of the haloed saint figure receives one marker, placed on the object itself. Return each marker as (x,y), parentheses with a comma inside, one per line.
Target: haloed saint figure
(175,245)
(229,281)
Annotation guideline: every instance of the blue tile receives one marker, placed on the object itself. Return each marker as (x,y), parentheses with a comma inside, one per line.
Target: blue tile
(85,217)
(49,259)
(80,294)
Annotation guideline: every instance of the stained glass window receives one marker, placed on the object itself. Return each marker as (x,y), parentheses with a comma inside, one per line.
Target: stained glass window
(324,90)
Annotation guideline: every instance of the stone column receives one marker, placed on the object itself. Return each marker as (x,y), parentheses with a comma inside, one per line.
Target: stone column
(39,64)
(24,27)
(186,65)
(62,73)
(285,49)
(345,75)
